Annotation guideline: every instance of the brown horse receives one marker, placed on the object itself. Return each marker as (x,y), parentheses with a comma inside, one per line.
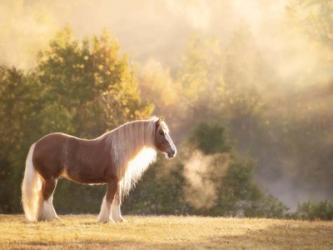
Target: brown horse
(117,158)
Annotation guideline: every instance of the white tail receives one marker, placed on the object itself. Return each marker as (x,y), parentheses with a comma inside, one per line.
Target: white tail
(31,189)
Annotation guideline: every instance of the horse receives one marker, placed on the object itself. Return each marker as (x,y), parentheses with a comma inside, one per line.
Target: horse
(117,158)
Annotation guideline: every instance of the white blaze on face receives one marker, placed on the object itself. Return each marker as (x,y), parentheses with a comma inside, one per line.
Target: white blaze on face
(136,167)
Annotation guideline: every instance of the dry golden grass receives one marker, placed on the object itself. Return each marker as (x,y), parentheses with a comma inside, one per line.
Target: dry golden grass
(165,232)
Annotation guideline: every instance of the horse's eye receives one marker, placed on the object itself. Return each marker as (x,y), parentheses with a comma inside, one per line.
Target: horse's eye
(161,132)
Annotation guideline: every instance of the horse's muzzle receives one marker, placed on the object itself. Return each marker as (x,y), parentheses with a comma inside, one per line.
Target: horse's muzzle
(172,153)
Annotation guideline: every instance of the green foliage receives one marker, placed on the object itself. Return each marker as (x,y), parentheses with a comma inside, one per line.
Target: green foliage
(237,186)
(158,193)
(17,100)
(88,83)
(315,17)
(240,195)
(209,138)
(322,210)
(269,206)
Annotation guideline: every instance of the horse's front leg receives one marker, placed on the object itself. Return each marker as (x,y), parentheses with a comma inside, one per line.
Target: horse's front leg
(104,214)
(115,206)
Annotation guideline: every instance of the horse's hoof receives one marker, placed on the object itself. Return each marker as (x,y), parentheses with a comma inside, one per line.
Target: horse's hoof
(57,218)
(103,221)
(119,220)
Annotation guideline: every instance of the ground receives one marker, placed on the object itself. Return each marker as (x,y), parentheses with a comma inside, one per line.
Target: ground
(164,232)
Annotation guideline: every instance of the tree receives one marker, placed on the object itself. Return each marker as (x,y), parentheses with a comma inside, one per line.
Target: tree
(91,81)
(17,99)
(201,78)
(80,87)
(315,18)
(322,210)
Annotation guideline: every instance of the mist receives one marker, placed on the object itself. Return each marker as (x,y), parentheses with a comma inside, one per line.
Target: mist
(294,85)
(201,187)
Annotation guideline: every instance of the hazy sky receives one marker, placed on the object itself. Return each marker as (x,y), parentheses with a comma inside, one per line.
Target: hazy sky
(144,28)
(157,29)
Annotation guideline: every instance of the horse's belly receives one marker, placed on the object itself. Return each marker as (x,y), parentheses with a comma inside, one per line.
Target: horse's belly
(84,176)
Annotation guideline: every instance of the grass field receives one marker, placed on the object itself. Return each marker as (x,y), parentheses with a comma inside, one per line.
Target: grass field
(154,232)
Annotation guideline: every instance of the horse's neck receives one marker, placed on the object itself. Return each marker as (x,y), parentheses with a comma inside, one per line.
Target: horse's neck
(129,139)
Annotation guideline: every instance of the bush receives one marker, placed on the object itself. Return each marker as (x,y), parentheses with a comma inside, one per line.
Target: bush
(209,138)
(322,210)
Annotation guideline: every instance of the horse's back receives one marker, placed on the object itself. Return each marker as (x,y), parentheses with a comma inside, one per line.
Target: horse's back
(81,160)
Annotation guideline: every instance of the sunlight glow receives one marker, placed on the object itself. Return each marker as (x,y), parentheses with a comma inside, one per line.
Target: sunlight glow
(136,168)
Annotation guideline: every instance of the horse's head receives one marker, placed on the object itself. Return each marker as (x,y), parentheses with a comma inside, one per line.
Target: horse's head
(163,141)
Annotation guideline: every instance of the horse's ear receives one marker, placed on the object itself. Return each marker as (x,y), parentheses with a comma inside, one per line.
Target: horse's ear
(157,123)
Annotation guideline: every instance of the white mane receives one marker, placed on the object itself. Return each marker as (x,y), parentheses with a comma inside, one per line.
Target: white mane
(132,151)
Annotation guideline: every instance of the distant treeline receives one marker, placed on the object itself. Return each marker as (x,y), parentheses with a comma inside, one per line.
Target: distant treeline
(237,129)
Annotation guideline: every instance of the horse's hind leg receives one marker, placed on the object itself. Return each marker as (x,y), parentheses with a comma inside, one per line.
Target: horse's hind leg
(104,214)
(47,209)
